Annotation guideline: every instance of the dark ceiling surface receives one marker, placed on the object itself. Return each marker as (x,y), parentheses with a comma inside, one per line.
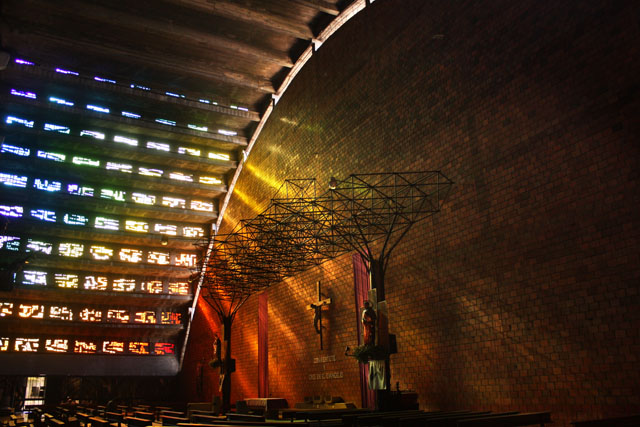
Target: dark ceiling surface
(123,124)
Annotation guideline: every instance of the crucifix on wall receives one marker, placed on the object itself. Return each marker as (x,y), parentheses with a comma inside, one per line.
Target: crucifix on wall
(318,306)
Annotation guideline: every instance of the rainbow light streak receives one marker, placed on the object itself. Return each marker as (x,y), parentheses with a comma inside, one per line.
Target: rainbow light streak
(27,345)
(67,281)
(6,309)
(130,255)
(12,119)
(77,190)
(75,219)
(92,133)
(122,167)
(227,132)
(91,315)
(131,115)
(106,223)
(190,151)
(11,211)
(96,283)
(158,146)
(117,195)
(101,253)
(72,250)
(103,80)
(199,205)
(44,215)
(39,246)
(137,86)
(48,155)
(85,161)
(209,180)
(125,140)
(174,202)
(60,313)
(113,347)
(14,149)
(175,95)
(219,156)
(179,288)
(46,185)
(4,344)
(179,176)
(170,318)
(50,127)
(57,345)
(139,347)
(13,180)
(24,94)
(137,226)
(118,316)
(31,311)
(69,72)
(98,109)
(31,277)
(61,101)
(199,128)
(10,243)
(150,172)
(166,122)
(23,62)
(192,232)
(124,285)
(144,199)
(186,260)
(148,317)
(168,229)
(85,347)
(153,287)
(160,258)
(164,348)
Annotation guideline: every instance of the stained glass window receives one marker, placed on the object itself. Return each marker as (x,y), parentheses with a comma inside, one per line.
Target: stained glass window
(69,281)
(57,345)
(27,345)
(31,311)
(98,283)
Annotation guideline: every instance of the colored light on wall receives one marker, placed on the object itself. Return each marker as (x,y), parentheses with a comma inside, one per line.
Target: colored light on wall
(85,161)
(48,155)
(153,287)
(124,285)
(136,347)
(118,316)
(68,281)
(69,72)
(148,317)
(98,108)
(51,127)
(168,229)
(92,133)
(199,205)
(117,195)
(100,253)
(75,219)
(131,115)
(6,309)
(31,277)
(85,347)
(174,202)
(113,347)
(57,345)
(192,232)
(227,132)
(141,87)
(179,176)
(144,199)
(14,149)
(170,318)
(137,226)
(17,120)
(23,93)
(44,215)
(90,315)
(161,258)
(61,101)
(11,180)
(186,260)
(200,128)
(72,250)
(11,211)
(23,62)
(46,185)
(4,344)
(189,151)
(209,180)
(130,255)
(104,80)
(163,348)
(39,246)
(166,122)
(11,243)
(125,140)
(96,283)
(78,190)
(179,288)
(60,313)
(158,146)
(31,311)
(150,172)
(122,167)
(27,345)
(106,223)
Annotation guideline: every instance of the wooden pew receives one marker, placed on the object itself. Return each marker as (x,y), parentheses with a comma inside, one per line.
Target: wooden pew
(168,420)
(98,422)
(626,421)
(171,413)
(375,418)
(323,414)
(204,419)
(513,420)
(149,416)
(246,417)
(137,422)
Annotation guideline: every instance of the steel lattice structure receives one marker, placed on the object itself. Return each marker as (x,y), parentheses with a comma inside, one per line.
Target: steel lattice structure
(300,229)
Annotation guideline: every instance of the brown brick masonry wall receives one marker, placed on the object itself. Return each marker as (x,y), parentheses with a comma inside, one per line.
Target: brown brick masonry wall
(522,294)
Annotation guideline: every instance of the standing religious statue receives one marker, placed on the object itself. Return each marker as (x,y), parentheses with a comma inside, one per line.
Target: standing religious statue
(369,324)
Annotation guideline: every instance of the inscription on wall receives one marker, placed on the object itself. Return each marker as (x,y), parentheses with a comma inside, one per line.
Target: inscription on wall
(327,375)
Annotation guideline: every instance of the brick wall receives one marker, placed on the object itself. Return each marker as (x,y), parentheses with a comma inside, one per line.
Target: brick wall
(522,294)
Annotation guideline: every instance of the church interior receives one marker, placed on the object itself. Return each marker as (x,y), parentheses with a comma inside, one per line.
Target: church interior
(340,212)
